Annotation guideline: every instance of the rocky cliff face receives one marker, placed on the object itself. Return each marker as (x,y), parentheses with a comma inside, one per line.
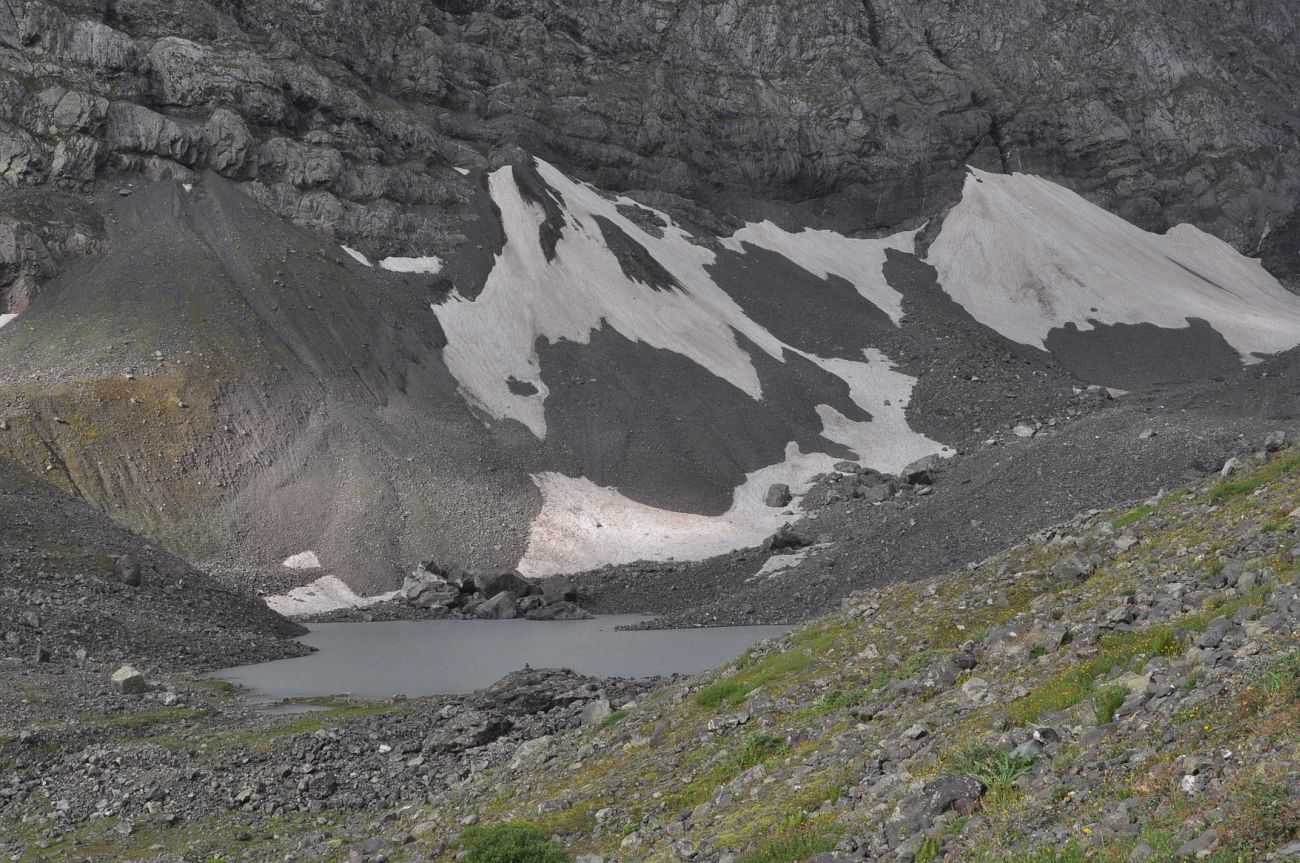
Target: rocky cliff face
(350,115)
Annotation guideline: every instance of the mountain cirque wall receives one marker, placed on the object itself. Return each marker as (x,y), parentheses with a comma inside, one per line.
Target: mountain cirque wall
(348,116)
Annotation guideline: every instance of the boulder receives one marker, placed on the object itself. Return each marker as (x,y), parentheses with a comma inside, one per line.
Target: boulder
(1275,441)
(128,570)
(559,611)
(1074,567)
(558,588)
(491,582)
(920,472)
(536,690)
(128,681)
(427,589)
(778,495)
(500,607)
(916,812)
(787,539)
(468,730)
(596,712)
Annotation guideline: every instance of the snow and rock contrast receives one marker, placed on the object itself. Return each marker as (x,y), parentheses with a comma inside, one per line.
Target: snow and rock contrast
(1027,258)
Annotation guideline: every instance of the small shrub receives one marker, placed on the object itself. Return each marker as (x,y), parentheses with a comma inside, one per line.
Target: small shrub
(993,767)
(839,699)
(1280,678)
(1107,701)
(929,850)
(510,842)
(1262,817)
(758,749)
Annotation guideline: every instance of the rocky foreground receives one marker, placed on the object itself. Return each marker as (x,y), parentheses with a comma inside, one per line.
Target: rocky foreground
(1124,687)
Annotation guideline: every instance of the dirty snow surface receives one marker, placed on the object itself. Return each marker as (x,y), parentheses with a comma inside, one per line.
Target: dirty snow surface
(325,594)
(429,264)
(1025,256)
(666,299)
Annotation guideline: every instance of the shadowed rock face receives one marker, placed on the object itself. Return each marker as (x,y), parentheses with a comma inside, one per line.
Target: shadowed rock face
(349,117)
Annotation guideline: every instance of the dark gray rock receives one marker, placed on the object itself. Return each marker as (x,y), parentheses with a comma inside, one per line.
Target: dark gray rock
(128,570)
(492,582)
(558,588)
(778,495)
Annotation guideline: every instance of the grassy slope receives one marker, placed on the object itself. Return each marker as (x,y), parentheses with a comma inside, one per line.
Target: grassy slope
(663,758)
(775,756)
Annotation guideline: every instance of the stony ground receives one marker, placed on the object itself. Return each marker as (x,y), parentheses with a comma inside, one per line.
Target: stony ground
(1124,686)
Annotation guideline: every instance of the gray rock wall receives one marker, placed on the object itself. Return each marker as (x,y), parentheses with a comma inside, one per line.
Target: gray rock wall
(347,115)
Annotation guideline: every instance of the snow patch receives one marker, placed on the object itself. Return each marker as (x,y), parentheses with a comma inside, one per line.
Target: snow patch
(492,341)
(430,264)
(464,172)
(357,256)
(6,318)
(1025,256)
(325,594)
(302,560)
(826,254)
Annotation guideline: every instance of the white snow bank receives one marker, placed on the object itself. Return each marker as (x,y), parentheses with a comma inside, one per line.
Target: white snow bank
(302,560)
(326,593)
(430,264)
(357,256)
(1025,256)
(584,526)
(826,253)
(6,318)
(492,339)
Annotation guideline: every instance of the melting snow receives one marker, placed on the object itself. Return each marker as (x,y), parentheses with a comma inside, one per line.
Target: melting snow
(4,319)
(326,593)
(1025,256)
(826,253)
(492,340)
(428,264)
(357,256)
(302,560)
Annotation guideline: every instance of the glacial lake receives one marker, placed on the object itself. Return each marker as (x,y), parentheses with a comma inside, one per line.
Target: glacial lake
(436,657)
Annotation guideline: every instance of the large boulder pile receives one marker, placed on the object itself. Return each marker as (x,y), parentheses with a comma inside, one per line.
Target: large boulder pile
(490,594)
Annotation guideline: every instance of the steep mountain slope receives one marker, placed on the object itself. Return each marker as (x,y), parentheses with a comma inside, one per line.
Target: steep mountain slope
(285,283)
(66,576)
(350,114)
(592,383)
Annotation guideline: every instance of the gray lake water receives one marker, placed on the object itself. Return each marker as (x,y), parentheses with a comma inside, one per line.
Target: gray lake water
(431,657)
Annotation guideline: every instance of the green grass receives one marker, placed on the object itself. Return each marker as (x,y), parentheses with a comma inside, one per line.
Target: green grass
(613,719)
(1075,684)
(839,699)
(1281,677)
(1107,702)
(929,850)
(145,718)
(995,768)
(1274,470)
(511,842)
(735,689)
(756,750)
(799,845)
(1133,516)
